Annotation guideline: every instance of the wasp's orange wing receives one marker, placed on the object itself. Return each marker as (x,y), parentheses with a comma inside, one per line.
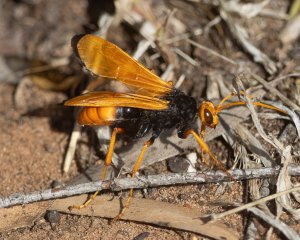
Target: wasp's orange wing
(107,60)
(111,99)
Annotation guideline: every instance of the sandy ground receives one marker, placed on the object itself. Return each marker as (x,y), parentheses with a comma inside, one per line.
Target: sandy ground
(35,127)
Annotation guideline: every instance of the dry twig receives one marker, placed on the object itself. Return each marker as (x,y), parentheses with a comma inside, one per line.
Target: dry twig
(143,182)
(270,219)
(276,223)
(241,35)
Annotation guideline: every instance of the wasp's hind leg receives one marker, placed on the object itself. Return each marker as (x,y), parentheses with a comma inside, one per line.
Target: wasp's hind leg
(107,163)
(134,171)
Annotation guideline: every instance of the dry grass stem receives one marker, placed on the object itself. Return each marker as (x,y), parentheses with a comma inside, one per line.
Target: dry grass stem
(215,217)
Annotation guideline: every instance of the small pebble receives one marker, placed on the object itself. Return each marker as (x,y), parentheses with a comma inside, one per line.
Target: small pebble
(53,217)
(142,236)
(178,164)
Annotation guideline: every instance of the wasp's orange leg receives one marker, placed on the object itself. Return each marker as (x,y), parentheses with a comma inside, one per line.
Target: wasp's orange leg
(202,131)
(107,163)
(134,171)
(205,149)
(202,134)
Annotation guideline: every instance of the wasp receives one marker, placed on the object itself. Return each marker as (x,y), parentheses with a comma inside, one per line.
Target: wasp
(154,106)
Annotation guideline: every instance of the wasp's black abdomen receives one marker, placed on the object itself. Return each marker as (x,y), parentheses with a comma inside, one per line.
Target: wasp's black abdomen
(133,121)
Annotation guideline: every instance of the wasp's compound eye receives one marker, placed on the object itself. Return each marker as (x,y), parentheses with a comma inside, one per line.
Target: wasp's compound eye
(208,117)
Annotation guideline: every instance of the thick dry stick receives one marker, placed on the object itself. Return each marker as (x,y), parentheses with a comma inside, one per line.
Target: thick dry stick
(144,182)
